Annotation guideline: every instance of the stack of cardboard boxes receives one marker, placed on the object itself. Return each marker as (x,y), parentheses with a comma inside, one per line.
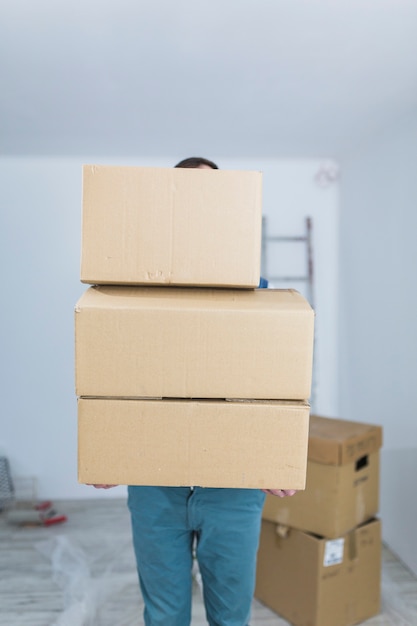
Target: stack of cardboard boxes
(319,560)
(186,373)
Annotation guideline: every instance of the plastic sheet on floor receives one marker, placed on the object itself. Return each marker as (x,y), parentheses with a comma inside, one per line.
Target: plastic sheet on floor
(87,583)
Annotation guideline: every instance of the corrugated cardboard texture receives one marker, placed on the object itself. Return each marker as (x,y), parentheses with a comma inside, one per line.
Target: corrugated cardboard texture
(342,491)
(336,441)
(185,443)
(201,343)
(293,580)
(171,226)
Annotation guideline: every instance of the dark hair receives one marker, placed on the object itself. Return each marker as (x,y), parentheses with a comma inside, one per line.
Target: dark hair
(196,162)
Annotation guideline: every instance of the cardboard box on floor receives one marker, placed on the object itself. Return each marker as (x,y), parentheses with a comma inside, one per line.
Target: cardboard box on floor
(171,226)
(185,442)
(311,581)
(193,343)
(342,488)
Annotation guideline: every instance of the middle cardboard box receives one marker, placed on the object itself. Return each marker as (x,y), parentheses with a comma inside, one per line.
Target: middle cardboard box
(158,342)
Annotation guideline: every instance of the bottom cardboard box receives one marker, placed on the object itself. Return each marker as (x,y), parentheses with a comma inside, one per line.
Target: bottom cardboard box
(313,581)
(209,443)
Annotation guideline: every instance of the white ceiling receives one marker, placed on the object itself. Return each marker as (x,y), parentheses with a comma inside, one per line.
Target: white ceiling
(267,78)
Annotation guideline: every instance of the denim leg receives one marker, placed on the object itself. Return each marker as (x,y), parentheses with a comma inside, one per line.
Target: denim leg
(228,526)
(162,542)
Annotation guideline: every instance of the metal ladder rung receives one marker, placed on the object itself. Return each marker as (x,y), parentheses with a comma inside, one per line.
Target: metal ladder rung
(287,238)
(306,239)
(288,279)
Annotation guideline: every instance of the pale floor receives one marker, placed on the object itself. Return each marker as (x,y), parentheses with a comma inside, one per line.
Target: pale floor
(82,573)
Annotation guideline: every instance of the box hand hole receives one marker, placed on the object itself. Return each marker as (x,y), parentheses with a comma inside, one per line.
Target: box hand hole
(361,463)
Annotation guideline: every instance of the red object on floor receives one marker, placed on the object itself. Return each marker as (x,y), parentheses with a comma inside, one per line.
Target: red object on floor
(42,506)
(54,518)
(49,516)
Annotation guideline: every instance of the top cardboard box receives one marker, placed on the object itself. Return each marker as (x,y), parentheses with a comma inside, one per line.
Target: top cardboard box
(342,489)
(171,226)
(335,441)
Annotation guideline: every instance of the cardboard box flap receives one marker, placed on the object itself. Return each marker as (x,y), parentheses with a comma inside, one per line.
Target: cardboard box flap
(337,441)
(195,298)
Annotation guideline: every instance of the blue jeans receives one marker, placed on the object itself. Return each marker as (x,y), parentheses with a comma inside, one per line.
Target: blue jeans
(225,524)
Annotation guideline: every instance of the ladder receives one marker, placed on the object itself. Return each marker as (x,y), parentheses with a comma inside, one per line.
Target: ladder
(303,239)
(307,277)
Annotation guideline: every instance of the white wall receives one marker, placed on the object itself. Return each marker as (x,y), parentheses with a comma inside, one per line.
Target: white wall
(40,248)
(378,305)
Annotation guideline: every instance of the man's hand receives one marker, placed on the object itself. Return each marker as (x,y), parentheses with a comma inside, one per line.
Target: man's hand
(281,493)
(101,486)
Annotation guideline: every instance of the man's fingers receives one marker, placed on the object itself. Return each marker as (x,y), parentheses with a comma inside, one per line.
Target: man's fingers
(101,486)
(281,493)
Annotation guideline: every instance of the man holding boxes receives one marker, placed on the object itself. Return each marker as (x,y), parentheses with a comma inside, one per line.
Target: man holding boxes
(222,522)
